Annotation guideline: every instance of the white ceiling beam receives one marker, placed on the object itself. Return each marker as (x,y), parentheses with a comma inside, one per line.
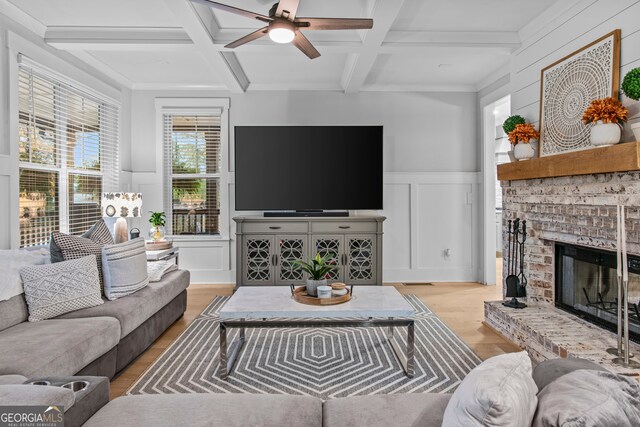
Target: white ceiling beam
(435,87)
(491,39)
(384,14)
(117,38)
(21,17)
(235,79)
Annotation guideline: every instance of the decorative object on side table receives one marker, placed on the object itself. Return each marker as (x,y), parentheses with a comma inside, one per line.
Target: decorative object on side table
(605,116)
(301,295)
(317,271)
(121,206)
(567,88)
(157,231)
(521,137)
(631,88)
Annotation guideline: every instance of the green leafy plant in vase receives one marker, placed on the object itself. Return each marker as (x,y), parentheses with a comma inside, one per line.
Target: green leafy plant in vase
(631,88)
(158,221)
(317,270)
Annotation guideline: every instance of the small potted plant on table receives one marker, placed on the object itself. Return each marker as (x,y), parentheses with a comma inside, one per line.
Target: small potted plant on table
(631,88)
(606,116)
(157,231)
(317,271)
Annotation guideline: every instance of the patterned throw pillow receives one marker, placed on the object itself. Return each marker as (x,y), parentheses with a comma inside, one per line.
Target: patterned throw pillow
(125,268)
(74,247)
(99,234)
(54,289)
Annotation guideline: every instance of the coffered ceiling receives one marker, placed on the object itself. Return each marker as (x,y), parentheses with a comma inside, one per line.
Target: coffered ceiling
(415,45)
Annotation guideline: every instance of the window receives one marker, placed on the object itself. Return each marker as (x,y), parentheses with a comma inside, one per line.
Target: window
(68,154)
(192,145)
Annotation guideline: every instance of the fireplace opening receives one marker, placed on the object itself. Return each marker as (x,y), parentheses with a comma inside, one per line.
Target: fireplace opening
(587,285)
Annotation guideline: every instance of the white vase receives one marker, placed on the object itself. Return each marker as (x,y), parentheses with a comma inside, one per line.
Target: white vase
(523,151)
(605,134)
(312,286)
(635,127)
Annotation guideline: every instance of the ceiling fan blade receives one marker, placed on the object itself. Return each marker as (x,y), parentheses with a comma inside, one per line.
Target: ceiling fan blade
(248,38)
(334,23)
(289,7)
(303,43)
(235,10)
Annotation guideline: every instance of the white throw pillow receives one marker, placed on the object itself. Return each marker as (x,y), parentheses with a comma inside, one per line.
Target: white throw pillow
(55,289)
(11,261)
(124,266)
(498,392)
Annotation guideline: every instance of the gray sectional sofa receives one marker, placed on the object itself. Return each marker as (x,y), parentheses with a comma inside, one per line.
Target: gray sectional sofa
(98,341)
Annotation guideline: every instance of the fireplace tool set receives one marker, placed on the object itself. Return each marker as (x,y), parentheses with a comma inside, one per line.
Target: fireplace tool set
(516,281)
(622,351)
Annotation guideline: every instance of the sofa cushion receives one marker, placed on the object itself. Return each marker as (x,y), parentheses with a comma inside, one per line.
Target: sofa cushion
(133,310)
(396,410)
(74,247)
(13,311)
(26,394)
(228,410)
(550,370)
(498,392)
(55,289)
(124,267)
(12,379)
(586,398)
(57,347)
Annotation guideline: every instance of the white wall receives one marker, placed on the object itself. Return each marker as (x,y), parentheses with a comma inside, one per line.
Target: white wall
(15,39)
(430,184)
(574,25)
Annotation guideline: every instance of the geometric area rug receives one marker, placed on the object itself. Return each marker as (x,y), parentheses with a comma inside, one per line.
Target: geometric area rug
(324,363)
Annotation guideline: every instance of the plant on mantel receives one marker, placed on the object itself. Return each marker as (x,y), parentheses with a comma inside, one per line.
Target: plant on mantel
(631,88)
(606,117)
(520,136)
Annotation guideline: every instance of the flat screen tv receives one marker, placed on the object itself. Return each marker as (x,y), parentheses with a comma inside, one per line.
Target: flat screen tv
(308,168)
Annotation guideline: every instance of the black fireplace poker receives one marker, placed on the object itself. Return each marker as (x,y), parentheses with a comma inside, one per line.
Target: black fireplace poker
(516,280)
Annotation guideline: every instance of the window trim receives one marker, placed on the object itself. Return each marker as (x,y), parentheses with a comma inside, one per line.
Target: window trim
(61,168)
(198,106)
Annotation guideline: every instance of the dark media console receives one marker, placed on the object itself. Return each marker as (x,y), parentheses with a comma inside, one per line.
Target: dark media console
(306,214)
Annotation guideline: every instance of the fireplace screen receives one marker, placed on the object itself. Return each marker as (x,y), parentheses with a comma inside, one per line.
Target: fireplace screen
(587,285)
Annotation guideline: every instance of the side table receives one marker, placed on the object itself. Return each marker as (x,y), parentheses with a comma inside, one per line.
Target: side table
(164,255)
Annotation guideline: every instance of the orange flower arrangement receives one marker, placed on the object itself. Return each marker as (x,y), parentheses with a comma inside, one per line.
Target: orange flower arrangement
(609,110)
(523,133)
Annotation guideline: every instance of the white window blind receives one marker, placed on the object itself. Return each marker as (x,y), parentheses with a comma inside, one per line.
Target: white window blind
(68,153)
(192,160)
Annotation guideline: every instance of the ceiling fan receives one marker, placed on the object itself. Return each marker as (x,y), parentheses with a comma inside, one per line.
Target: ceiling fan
(284,27)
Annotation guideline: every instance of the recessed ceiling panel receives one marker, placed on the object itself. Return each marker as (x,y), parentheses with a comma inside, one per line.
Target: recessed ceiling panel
(292,67)
(124,13)
(175,67)
(436,66)
(468,15)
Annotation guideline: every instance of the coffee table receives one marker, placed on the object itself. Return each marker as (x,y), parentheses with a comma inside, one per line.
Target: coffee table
(274,307)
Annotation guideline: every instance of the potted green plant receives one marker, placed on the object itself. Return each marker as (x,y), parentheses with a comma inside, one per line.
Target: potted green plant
(631,88)
(510,124)
(316,271)
(158,221)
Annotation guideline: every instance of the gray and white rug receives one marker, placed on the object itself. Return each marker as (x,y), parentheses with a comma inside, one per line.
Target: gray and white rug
(325,363)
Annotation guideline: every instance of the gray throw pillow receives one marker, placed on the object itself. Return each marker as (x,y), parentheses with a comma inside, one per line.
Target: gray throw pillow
(99,234)
(124,267)
(54,289)
(587,398)
(497,392)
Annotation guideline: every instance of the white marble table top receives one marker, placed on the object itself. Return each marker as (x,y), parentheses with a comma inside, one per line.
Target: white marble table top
(268,302)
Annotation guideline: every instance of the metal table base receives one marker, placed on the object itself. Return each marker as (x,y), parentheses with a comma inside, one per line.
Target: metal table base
(229,355)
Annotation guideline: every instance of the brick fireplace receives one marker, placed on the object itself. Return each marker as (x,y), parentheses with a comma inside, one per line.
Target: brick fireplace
(576,210)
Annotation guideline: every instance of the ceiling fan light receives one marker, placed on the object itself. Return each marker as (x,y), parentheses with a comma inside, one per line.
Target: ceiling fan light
(281,35)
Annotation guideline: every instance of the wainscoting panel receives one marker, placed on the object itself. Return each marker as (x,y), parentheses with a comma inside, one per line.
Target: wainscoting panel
(431,231)
(5,217)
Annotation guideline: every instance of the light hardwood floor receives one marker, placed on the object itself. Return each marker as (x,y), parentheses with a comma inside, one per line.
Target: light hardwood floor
(459,305)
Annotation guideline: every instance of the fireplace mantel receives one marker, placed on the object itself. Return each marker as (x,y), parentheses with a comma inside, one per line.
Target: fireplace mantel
(623,157)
